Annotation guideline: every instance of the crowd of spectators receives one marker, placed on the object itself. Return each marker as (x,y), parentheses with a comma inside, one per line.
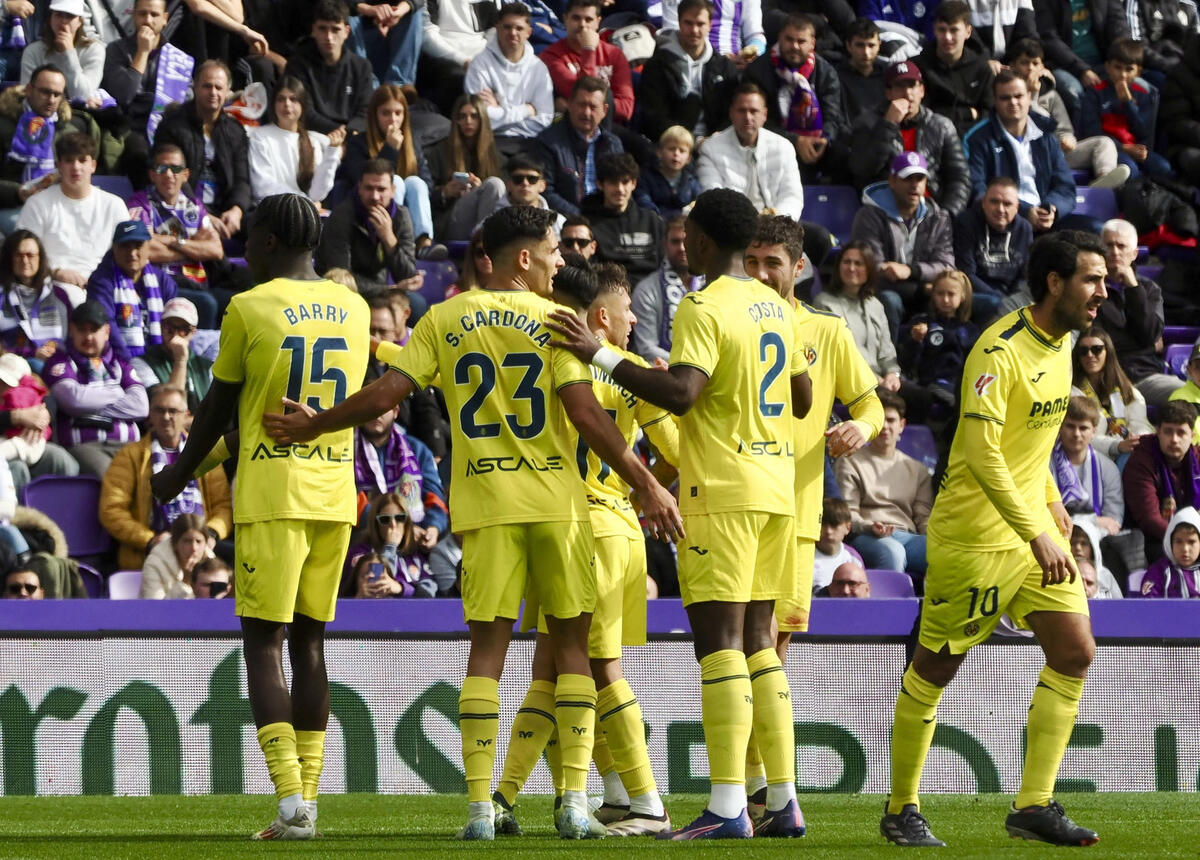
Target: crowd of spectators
(136,136)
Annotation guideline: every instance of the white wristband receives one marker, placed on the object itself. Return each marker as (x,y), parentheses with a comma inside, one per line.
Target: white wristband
(606,359)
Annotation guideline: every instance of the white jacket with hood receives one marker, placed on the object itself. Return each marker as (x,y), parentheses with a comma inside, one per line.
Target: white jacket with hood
(1106,583)
(515,86)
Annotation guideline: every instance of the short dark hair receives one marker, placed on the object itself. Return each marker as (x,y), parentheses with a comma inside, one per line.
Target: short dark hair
(676,222)
(291,218)
(518,9)
(781,230)
(748,88)
(331,10)
(376,167)
(577,4)
(1027,47)
(74,145)
(611,278)
(1007,76)
(575,285)
(1176,412)
(798,21)
(1131,52)
(520,161)
(1002,182)
(835,511)
(165,148)
(514,224)
(1058,252)
(727,217)
(589,84)
(953,12)
(46,67)
(892,400)
(861,28)
(577,221)
(695,5)
(615,167)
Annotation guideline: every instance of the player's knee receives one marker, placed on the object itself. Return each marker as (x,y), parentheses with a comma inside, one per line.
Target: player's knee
(1074,660)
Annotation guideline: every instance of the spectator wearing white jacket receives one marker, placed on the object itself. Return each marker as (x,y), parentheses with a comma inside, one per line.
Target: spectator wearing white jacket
(167,572)
(513,83)
(285,157)
(759,163)
(455,33)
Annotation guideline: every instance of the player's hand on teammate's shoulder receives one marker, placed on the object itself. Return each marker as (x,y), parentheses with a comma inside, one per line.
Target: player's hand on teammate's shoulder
(1056,564)
(661,512)
(574,336)
(290,427)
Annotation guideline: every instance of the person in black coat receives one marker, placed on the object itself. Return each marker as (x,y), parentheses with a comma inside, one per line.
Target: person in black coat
(338,81)
(958,79)
(1179,113)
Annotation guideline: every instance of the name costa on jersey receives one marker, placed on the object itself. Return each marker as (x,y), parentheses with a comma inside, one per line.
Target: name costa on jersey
(506,318)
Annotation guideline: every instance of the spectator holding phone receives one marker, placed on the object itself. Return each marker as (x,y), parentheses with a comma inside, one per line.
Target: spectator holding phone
(388,561)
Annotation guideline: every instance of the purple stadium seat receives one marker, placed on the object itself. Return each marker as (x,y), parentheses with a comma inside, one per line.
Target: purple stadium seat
(1134,583)
(438,278)
(118,185)
(1153,273)
(73,504)
(833,207)
(1176,358)
(92,580)
(125,585)
(1188,334)
(917,442)
(1097,202)
(458,249)
(890,583)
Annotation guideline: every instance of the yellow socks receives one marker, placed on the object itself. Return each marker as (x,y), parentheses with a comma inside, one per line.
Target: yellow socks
(310,749)
(600,752)
(555,763)
(278,742)
(531,730)
(774,725)
(756,773)
(620,717)
(912,733)
(478,719)
(575,714)
(726,710)
(1050,722)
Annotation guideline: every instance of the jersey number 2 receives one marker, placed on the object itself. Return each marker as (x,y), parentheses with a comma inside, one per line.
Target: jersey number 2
(770,341)
(318,373)
(527,389)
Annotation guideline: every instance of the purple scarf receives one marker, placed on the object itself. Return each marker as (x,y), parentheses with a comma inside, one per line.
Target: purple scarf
(367,224)
(671,290)
(803,113)
(189,501)
(398,463)
(172,79)
(1164,474)
(33,144)
(1069,485)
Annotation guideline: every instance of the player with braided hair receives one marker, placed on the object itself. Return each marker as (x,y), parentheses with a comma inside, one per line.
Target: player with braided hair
(299,336)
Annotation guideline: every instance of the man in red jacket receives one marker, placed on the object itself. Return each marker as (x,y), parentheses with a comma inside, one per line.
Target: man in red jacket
(582,53)
(1162,474)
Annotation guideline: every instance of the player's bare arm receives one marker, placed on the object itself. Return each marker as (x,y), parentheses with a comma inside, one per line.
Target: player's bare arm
(370,402)
(676,390)
(802,394)
(213,418)
(603,437)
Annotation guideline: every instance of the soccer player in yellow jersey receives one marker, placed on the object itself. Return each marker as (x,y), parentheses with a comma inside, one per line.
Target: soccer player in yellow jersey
(837,369)
(516,494)
(632,805)
(737,377)
(998,543)
(306,338)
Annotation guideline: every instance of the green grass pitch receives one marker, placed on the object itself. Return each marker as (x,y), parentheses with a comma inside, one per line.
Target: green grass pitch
(183,828)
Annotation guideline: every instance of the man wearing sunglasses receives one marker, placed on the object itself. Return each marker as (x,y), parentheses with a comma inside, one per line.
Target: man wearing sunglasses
(23,585)
(524,185)
(576,236)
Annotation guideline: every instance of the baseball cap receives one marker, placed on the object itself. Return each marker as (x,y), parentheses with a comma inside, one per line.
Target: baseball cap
(181,309)
(1192,356)
(13,369)
(906,164)
(131,231)
(67,7)
(903,71)
(90,313)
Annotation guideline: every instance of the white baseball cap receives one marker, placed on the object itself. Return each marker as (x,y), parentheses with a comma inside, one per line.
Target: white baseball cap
(13,369)
(68,7)
(181,309)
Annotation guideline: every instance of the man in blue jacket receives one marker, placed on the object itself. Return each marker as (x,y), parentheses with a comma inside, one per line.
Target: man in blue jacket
(1014,143)
(571,147)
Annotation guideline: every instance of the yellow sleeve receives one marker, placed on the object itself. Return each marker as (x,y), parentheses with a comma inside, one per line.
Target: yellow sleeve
(417,360)
(1052,493)
(799,361)
(696,337)
(388,352)
(990,470)
(988,377)
(566,369)
(855,385)
(664,435)
(218,455)
(230,365)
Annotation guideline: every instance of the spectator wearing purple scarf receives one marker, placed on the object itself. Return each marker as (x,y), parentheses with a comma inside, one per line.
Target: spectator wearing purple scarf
(132,291)
(390,539)
(100,399)
(1089,482)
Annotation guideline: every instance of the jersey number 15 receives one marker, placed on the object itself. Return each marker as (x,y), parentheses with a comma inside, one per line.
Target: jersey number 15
(318,373)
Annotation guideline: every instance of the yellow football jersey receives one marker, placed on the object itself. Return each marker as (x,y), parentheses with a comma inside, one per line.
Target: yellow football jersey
(1019,379)
(837,369)
(608,496)
(736,446)
(310,341)
(514,449)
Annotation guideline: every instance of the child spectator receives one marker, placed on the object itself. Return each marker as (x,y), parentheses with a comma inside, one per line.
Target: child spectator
(1089,482)
(1122,108)
(167,572)
(937,343)
(1085,548)
(958,78)
(832,551)
(389,539)
(669,184)
(1177,574)
(20,389)
(287,158)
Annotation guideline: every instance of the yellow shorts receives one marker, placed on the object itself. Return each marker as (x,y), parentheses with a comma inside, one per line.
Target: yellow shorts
(284,567)
(792,614)
(554,560)
(620,617)
(737,556)
(966,592)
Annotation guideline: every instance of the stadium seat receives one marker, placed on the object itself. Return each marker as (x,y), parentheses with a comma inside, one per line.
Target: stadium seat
(125,585)
(72,503)
(833,207)
(1133,583)
(890,583)
(1153,273)
(92,580)
(1097,202)
(917,442)
(1188,334)
(118,185)
(438,278)
(1176,358)
(458,249)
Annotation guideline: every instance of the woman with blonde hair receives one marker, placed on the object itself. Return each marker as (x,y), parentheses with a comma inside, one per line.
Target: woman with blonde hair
(1097,374)
(466,169)
(389,136)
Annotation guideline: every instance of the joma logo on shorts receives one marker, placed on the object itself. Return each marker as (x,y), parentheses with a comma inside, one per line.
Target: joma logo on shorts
(486,465)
